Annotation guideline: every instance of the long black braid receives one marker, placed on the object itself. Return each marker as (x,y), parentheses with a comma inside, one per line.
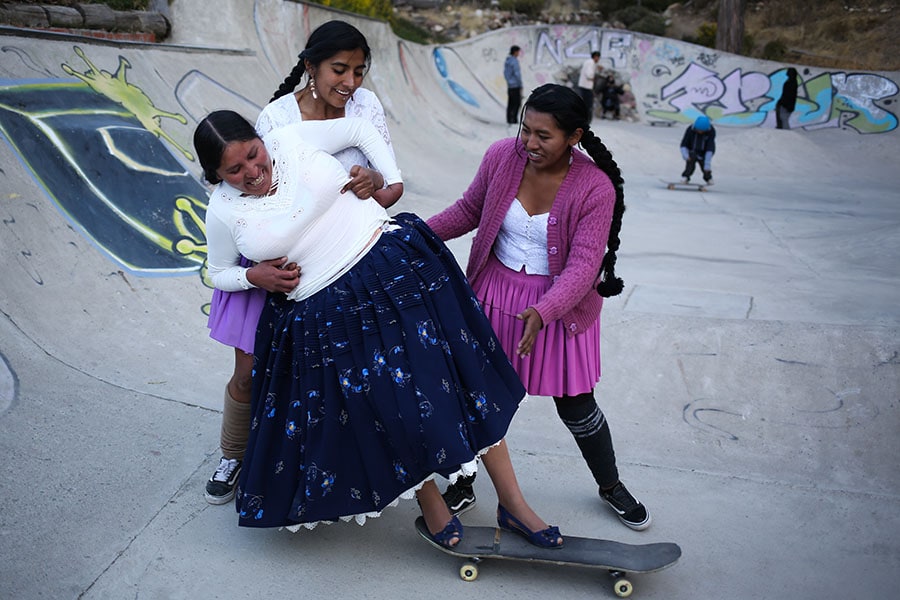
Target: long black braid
(571,113)
(324,42)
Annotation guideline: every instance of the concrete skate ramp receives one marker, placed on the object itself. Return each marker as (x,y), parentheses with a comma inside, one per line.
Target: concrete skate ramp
(751,371)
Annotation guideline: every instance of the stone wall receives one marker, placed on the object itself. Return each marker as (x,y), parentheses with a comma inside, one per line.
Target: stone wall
(92,20)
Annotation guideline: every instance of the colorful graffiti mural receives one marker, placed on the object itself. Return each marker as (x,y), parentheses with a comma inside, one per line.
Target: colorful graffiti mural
(95,146)
(748,99)
(676,81)
(679,87)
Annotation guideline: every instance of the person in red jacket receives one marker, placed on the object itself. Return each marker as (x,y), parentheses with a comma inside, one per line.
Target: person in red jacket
(548,218)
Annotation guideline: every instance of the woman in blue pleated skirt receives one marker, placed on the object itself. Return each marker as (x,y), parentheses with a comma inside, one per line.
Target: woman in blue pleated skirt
(379,371)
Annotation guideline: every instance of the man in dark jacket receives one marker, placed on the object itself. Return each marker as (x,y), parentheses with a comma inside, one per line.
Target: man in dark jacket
(788,100)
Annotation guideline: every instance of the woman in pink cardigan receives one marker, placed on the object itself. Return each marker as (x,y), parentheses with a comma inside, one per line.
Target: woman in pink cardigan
(548,219)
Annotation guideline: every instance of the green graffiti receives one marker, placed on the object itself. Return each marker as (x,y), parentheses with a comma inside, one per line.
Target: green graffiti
(131,97)
(192,227)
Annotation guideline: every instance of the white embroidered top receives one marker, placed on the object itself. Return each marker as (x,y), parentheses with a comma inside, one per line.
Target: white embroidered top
(363,103)
(522,241)
(306,218)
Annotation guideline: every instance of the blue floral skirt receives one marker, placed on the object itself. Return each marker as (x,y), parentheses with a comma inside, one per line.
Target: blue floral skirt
(375,384)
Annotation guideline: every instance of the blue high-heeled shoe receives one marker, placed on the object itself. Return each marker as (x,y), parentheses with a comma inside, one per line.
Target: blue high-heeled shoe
(453,529)
(545,538)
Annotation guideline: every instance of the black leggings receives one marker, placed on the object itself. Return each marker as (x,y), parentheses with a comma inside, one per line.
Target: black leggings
(584,419)
(581,415)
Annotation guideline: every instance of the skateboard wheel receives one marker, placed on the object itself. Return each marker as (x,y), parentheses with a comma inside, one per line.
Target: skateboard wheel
(623,588)
(468,572)
(671,186)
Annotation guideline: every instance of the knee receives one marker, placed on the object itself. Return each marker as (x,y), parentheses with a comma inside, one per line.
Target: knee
(242,383)
(574,408)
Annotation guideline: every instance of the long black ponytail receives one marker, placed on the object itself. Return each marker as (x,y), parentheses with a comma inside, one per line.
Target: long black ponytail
(571,113)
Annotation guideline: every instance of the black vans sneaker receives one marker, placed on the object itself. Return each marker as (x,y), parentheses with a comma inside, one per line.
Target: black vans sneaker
(630,511)
(220,487)
(460,496)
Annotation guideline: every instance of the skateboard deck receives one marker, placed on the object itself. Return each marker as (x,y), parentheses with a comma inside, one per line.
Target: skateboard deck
(479,543)
(680,185)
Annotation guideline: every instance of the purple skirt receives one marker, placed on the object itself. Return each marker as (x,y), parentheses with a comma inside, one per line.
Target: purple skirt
(559,364)
(233,316)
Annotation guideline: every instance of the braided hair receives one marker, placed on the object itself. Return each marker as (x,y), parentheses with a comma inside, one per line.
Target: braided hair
(325,41)
(571,113)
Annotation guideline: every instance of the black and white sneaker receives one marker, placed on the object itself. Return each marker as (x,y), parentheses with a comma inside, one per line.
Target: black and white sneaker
(460,496)
(220,487)
(630,511)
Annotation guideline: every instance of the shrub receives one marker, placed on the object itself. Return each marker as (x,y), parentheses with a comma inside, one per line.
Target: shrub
(379,9)
(774,50)
(706,35)
(529,8)
(408,30)
(652,24)
(631,14)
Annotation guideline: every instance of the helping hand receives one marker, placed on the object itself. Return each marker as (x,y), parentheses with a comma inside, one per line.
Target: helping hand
(276,275)
(533,324)
(363,182)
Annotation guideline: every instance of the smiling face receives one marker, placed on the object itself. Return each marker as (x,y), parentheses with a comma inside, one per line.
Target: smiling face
(338,77)
(246,166)
(547,145)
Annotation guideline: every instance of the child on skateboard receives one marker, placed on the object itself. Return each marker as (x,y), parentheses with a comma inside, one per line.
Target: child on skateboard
(698,145)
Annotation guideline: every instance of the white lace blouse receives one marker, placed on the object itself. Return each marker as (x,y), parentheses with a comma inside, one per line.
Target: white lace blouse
(522,241)
(363,104)
(306,219)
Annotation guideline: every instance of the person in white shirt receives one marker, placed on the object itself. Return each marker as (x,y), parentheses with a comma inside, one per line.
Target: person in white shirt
(586,77)
(334,64)
(378,371)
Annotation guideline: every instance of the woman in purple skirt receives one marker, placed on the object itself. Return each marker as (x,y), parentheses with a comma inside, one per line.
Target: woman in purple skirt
(334,64)
(548,220)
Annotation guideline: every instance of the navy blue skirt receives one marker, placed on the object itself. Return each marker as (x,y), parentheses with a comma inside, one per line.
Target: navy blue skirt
(382,380)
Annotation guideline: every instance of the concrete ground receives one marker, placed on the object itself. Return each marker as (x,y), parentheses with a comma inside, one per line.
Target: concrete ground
(751,377)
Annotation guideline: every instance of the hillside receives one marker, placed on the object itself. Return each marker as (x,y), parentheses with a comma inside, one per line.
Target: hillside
(842,34)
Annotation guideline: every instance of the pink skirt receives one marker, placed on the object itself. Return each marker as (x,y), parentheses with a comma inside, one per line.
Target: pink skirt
(558,365)
(233,317)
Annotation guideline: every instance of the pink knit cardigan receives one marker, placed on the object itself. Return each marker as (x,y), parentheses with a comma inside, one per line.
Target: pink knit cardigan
(577,228)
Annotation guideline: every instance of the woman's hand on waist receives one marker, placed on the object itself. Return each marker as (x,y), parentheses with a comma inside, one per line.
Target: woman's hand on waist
(276,275)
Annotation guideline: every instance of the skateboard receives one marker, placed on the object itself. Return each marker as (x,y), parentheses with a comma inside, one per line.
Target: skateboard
(680,185)
(479,543)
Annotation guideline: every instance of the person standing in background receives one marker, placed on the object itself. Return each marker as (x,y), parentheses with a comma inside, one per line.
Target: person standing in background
(512,72)
(788,100)
(589,70)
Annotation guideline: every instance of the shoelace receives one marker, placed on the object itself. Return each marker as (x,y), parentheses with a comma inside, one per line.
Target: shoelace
(225,469)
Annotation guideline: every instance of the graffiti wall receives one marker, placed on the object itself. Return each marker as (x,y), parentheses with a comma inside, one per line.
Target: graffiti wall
(673,82)
(104,131)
